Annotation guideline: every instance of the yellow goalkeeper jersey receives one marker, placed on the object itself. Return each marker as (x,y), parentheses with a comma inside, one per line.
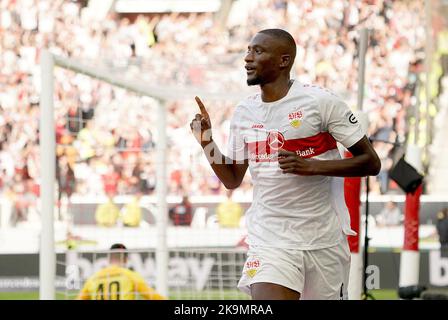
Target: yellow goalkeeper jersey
(117,283)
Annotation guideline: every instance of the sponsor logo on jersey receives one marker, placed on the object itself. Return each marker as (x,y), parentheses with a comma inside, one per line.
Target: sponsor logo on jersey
(263,157)
(295,118)
(257,126)
(267,150)
(275,140)
(306,153)
(352,119)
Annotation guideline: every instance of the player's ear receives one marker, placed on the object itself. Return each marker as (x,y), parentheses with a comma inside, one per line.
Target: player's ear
(285,60)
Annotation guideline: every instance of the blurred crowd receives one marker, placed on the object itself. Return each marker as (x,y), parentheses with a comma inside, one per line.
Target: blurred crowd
(106,136)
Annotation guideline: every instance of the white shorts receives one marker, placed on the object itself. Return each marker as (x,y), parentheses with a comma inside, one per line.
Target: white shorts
(320,274)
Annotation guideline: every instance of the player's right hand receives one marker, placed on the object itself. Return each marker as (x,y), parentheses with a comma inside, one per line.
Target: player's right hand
(201,125)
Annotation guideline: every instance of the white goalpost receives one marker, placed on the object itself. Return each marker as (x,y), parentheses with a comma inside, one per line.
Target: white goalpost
(47,259)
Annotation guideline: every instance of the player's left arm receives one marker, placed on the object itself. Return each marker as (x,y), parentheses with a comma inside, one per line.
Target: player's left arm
(340,122)
(364,162)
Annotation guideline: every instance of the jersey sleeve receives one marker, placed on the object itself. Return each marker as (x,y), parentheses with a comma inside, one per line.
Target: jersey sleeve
(144,290)
(339,121)
(236,145)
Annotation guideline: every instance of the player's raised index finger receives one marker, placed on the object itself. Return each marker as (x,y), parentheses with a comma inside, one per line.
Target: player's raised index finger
(201,107)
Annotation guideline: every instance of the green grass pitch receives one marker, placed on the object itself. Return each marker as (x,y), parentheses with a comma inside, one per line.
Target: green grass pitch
(384,294)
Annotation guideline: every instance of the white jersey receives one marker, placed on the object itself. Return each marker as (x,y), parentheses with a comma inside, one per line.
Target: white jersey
(289,210)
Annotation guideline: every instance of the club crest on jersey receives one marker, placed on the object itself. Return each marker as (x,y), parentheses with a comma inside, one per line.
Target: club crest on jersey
(252,267)
(295,118)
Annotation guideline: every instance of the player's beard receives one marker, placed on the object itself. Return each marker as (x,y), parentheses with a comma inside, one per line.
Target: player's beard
(254,81)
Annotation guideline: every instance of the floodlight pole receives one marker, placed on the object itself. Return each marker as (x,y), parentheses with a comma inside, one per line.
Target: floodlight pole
(363,42)
(428,61)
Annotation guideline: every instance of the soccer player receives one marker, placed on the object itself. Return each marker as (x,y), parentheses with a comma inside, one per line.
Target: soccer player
(286,135)
(116,282)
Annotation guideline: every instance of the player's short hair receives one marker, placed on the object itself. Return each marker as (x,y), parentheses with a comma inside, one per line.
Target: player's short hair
(284,36)
(120,255)
(118,246)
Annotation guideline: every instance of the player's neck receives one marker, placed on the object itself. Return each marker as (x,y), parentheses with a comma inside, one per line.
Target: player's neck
(276,90)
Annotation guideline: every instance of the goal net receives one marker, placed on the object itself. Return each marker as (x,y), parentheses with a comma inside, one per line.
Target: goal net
(198,274)
(115,169)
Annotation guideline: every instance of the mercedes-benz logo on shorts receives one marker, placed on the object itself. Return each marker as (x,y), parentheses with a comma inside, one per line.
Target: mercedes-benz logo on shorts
(275,140)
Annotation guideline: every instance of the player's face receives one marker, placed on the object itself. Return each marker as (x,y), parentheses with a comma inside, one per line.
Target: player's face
(261,60)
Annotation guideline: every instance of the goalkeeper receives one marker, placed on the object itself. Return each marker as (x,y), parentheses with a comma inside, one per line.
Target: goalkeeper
(116,282)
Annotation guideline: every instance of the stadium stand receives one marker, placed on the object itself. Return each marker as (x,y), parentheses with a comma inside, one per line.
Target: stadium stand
(184,49)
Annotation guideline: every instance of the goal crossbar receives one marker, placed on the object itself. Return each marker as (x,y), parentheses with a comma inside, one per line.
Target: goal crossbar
(161,93)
